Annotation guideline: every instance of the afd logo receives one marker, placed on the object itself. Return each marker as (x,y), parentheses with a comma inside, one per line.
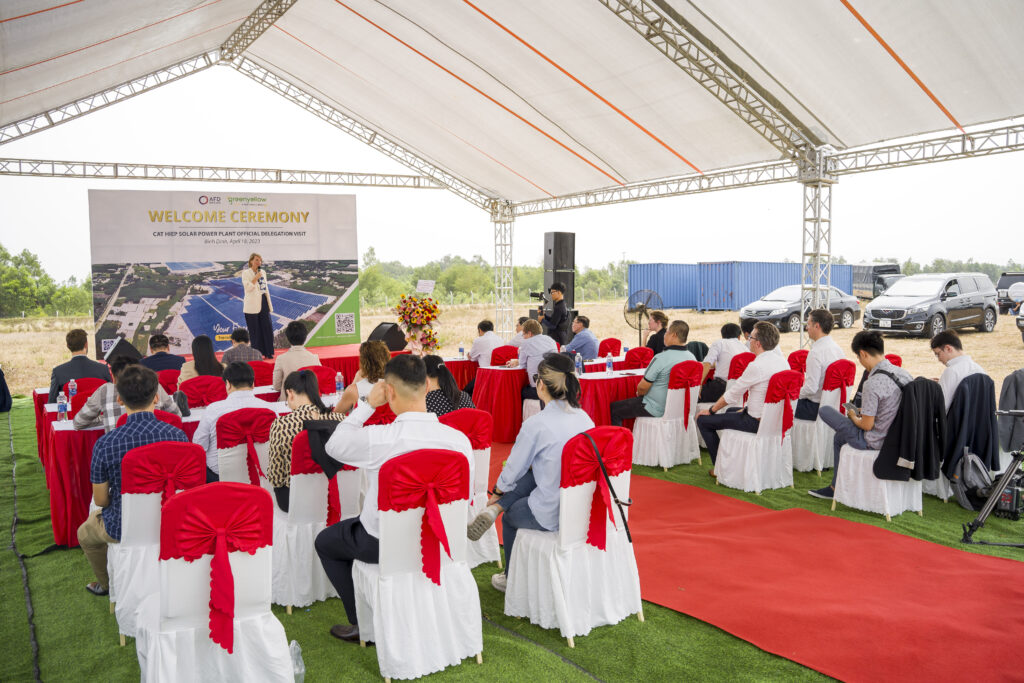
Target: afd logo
(207,199)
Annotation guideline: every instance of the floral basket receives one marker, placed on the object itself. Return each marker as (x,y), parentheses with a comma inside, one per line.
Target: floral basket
(416,315)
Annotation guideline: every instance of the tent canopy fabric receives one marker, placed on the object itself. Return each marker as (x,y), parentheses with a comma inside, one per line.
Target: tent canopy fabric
(532,99)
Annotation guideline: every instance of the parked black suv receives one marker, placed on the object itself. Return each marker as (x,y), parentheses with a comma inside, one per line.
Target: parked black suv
(1006,280)
(929,303)
(782,307)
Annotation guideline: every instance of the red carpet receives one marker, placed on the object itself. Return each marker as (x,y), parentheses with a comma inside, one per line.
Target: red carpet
(850,600)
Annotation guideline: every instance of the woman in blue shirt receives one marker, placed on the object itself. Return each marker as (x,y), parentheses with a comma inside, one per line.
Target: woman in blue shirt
(527,490)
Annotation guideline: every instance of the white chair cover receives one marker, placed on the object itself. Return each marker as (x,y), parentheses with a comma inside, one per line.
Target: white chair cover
(173,642)
(531,407)
(233,466)
(812,440)
(858,487)
(665,441)
(557,580)
(133,563)
(417,626)
(939,488)
(298,577)
(351,489)
(755,462)
(486,549)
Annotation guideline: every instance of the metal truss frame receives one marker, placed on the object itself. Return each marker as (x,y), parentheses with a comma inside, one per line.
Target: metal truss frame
(504,222)
(232,174)
(816,247)
(254,26)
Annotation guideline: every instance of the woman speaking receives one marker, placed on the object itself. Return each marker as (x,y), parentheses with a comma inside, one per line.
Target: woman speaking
(257,307)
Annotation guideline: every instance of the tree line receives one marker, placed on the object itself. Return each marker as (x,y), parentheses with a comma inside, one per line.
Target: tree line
(26,289)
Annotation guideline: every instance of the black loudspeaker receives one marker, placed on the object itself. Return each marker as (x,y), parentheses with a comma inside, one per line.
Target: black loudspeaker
(560,263)
(121,348)
(391,334)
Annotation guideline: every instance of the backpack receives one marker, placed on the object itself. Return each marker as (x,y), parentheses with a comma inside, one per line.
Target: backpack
(970,482)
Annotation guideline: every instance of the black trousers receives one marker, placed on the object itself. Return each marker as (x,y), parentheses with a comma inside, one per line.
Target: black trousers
(529,392)
(261,332)
(211,476)
(631,407)
(806,409)
(282,497)
(712,390)
(733,418)
(338,545)
(469,386)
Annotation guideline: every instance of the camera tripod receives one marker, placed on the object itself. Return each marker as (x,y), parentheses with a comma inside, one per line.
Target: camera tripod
(997,491)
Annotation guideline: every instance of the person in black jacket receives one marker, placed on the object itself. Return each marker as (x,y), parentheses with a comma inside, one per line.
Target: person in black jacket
(78,367)
(556,325)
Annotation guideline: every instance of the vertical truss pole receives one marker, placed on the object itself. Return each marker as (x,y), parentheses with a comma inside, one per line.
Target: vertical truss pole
(504,219)
(816,272)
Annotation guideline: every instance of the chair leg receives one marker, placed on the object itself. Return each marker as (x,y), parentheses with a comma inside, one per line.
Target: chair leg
(121,638)
(572,643)
(665,468)
(112,608)
(362,643)
(479,657)
(920,513)
(833,503)
(499,558)
(887,517)
(640,614)
(387,680)
(819,474)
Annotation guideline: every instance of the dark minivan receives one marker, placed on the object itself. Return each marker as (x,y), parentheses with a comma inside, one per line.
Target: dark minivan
(1007,280)
(929,303)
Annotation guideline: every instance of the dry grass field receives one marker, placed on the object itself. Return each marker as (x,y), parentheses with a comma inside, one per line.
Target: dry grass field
(29,348)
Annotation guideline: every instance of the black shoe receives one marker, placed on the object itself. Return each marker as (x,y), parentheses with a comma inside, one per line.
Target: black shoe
(96,589)
(182,402)
(825,493)
(350,634)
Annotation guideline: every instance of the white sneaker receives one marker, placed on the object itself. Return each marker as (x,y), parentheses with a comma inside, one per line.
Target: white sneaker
(499,581)
(482,522)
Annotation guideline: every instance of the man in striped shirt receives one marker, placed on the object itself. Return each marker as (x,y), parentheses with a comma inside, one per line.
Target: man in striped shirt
(102,407)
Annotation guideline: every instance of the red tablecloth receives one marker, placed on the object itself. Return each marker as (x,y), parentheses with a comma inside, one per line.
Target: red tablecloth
(602,365)
(497,391)
(39,403)
(346,361)
(463,370)
(598,394)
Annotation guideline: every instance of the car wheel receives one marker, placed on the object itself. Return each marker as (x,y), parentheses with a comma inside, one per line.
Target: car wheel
(793,323)
(989,321)
(936,324)
(846,319)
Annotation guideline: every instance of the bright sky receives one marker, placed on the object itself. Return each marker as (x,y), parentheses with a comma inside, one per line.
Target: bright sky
(960,209)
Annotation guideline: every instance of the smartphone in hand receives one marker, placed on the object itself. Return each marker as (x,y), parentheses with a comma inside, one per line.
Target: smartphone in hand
(851,408)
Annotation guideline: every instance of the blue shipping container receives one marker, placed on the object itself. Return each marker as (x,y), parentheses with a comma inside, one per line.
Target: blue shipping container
(730,285)
(675,283)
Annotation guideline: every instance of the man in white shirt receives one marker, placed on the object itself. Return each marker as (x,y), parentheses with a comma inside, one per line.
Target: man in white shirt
(949,351)
(238,380)
(295,358)
(531,353)
(763,342)
(404,389)
(720,357)
(824,351)
(517,340)
(485,342)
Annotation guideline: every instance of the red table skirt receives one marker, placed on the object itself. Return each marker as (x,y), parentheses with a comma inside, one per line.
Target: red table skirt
(347,365)
(39,403)
(498,391)
(464,371)
(597,395)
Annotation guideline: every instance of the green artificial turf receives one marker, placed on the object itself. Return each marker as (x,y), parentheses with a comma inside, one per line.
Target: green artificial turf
(78,636)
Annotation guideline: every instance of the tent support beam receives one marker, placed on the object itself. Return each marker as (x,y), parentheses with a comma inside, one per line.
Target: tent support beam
(504,221)
(254,26)
(816,253)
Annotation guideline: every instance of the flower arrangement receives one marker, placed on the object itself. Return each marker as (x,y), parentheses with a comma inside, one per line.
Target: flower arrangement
(416,315)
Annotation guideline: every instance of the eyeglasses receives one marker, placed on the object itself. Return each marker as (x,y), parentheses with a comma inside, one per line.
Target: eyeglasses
(753,338)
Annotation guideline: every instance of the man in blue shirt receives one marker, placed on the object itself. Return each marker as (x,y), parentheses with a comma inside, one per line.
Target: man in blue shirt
(137,391)
(159,357)
(652,391)
(584,342)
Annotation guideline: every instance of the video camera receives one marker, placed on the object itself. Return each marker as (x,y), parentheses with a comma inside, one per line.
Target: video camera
(540,296)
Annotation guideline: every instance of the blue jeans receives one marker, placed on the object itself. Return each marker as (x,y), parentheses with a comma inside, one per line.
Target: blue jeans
(517,515)
(846,433)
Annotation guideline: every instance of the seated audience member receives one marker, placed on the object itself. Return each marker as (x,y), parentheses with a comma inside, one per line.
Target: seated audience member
(137,387)
(296,356)
(485,342)
(747,328)
(949,351)
(103,408)
(531,352)
(443,393)
(302,393)
(238,380)
(556,323)
(584,343)
(517,340)
(763,342)
(373,358)
(881,393)
(656,324)
(204,361)
(159,357)
(240,349)
(719,358)
(824,351)
(652,391)
(79,367)
(527,490)
(404,389)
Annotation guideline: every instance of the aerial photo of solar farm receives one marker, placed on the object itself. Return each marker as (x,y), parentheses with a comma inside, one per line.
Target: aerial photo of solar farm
(184,299)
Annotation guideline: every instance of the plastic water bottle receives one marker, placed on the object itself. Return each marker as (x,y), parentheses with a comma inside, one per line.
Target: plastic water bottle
(62,407)
(625,349)
(579,364)
(339,383)
(72,389)
(609,365)
(462,351)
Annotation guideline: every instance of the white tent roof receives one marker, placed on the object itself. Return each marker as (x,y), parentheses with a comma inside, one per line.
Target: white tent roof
(531,99)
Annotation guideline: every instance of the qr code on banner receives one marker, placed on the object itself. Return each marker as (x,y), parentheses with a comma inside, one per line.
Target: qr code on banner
(108,344)
(344,323)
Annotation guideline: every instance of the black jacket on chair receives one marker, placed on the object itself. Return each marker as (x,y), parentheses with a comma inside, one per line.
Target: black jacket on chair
(971,423)
(1011,397)
(913,446)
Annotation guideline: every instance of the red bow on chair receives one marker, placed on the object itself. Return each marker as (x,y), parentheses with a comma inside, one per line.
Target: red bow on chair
(164,466)
(218,518)
(425,479)
(248,426)
(477,425)
(785,386)
(840,374)
(580,466)
(685,376)
(303,463)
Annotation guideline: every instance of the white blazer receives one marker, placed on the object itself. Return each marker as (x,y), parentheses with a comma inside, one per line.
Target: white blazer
(250,283)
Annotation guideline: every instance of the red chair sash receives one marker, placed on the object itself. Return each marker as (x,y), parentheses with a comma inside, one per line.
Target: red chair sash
(263,371)
(785,386)
(638,357)
(684,376)
(324,377)
(162,415)
(383,415)
(798,360)
(249,426)
(610,345)
(303,463)
(840,375)
(478,425)
(425,479)
(504,354)
(203,390)
(164,467)
(218,518)
(580,466)
(169,380)
(739,364)
(895,359)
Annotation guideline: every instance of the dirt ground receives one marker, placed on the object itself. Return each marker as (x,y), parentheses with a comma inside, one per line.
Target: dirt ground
(30,348)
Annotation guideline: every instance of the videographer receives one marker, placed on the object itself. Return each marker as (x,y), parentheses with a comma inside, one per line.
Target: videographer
(556,325)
